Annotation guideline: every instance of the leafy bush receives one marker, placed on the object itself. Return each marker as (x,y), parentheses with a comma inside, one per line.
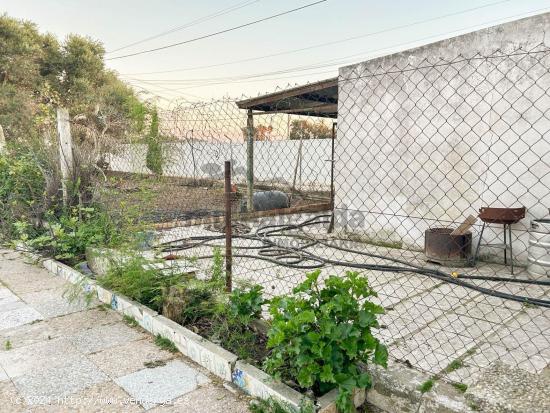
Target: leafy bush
(22,190)
(272,405)
(141,282)
(246,304)
(67,236)
(320,333)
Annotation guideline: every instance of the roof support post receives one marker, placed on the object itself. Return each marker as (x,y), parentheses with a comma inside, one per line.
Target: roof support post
(250,160)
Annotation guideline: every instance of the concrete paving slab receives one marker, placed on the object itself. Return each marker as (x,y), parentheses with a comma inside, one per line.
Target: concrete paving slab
(103,337)
(10,399)
(511,390)
(130,357)
(105,397)
(10,305)
(207,398)
(162,384)
(41,283)
(27,334)
(83,320)
(16,265)
(19,317)
(3,375)
(58,382)
(7,296)
(24,360)
(53,303)
(27,274)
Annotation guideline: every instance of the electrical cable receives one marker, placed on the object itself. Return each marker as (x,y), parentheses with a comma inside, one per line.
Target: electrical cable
(297,257)
(347,39)
(219,13)
(336,62)
(206,36)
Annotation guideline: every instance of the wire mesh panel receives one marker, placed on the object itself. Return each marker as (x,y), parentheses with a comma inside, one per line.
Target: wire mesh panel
(428,187)
(421,146)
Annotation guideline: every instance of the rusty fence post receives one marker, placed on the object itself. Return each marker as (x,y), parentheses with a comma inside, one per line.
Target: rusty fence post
(228,228)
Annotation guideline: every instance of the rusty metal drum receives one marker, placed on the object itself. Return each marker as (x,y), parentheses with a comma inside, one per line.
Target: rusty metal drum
(443,248)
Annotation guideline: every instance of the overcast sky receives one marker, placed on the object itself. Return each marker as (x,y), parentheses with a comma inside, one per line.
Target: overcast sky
(380,25)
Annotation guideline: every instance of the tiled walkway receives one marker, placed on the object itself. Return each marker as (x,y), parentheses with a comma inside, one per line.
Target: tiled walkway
(58,355)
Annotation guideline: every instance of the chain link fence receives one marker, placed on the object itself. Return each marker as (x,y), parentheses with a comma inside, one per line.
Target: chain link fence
(419,148)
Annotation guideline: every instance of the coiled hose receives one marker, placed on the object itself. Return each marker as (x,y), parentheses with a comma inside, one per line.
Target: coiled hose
(299,258)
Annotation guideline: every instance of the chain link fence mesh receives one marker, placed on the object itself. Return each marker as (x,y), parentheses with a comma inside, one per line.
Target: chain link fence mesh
(417,147)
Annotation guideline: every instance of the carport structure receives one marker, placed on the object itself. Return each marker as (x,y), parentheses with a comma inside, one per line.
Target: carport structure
(318,99)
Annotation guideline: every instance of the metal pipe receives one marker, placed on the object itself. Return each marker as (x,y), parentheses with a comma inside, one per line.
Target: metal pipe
(250,160)
(228,228)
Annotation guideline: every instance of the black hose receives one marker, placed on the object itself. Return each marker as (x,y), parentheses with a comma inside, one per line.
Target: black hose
(297,257)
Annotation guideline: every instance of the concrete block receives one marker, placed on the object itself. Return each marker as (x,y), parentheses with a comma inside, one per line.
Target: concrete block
(209,355)
(259,384)
(501,388)
(100,260)
(142,314)
(212,357)
(104,295)
(327,402)
(168,329)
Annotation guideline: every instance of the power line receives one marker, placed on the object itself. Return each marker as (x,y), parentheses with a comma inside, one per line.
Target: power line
(219,13)
(344,59)
(219,32)
(339,61)
(324,44)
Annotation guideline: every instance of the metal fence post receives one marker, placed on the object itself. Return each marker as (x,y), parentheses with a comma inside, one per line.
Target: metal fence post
(332,193)
(66,160)
(250,160)
(228,228)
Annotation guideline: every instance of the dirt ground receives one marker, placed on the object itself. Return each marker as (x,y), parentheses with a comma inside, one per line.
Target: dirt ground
(165,199)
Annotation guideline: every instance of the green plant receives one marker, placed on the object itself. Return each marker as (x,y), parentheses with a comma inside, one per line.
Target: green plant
(216,271)
(453,365)
(165,344)
(131,321)
(272,405)
(461,387)
(80,290)
(246,304)
(7,345)
(426,386)
(22,191)
(140,281)
(320,334)
(154,158)
(68,235)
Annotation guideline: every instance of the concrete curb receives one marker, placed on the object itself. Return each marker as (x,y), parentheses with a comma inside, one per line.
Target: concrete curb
(257,383)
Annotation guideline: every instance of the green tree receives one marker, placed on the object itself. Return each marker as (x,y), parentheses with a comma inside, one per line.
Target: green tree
(154,157)
(303,129)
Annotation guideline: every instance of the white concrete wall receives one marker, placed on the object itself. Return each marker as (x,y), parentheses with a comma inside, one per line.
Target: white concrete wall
(422,143)
(274,161)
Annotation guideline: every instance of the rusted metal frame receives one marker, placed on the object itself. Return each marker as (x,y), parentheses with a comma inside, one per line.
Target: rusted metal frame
(250,160)
(289,93)
(228,228)
(332,192)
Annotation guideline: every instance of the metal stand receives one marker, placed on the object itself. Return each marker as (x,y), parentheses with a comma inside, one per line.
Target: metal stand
(507,244)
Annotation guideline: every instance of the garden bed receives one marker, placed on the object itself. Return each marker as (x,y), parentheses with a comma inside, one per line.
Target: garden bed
(220,331)
(394,389)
